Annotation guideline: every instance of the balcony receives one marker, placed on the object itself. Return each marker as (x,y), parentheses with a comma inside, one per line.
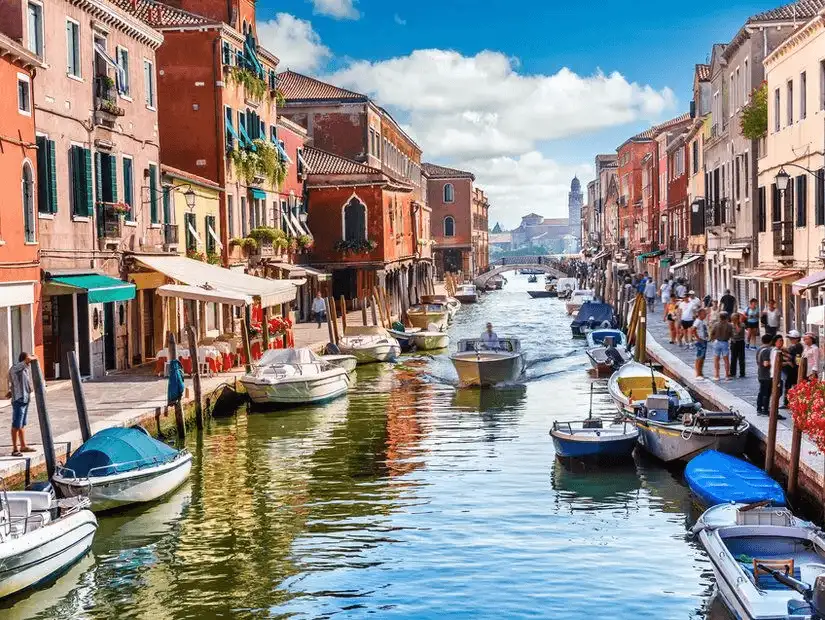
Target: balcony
(106,109)
(109,224)
(718,213)
(783,238)
(676,244)
(170,237)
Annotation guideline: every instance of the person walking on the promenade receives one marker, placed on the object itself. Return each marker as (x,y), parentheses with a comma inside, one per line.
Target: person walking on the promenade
(20,391)
(650,295)
(721,333)
(688,308)
(728,302)
(771,318)
(779,351)
(763,373)
(812,355)
(681,289)
(737,346)
(319,308)
(791,370)
(700,331)
(666,292)
(752,323)
(672,318)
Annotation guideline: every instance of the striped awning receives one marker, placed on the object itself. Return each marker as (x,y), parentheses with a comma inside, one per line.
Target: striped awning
(768,275)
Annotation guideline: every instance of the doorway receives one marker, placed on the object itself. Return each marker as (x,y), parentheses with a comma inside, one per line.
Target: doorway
(453,261)
(109,327)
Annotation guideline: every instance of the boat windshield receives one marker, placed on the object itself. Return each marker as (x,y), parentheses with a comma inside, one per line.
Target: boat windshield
(280,357)
(509,345)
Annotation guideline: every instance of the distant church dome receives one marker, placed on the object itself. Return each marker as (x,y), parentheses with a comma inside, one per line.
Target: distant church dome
(575,186)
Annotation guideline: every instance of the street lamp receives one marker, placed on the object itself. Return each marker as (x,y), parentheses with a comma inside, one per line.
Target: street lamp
(189,195)
(782,180)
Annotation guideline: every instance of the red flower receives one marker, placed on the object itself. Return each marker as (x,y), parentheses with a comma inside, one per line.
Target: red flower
(806,401)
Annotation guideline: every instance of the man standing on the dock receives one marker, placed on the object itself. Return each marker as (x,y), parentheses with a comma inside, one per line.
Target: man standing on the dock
(771,318)
(791,370)
(319,308)
(20,390)
(763,364)
(722,333)
(700,331)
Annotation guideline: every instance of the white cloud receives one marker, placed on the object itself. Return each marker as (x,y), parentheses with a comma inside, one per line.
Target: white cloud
(399,20)
(294,42)
(472,106)
(339,9)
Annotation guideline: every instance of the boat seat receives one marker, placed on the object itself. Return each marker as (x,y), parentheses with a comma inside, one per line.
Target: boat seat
(765,581)
(19,507)
(40,500)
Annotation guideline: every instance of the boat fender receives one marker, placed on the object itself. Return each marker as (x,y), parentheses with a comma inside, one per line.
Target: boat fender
(606,324)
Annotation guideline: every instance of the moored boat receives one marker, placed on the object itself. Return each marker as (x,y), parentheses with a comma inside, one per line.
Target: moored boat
(403,336)
(423,316)
(369,344)
(347,362)
(429,340)
(532,279)
(294,377)
(631,384)
(718,478)
(577,299)
(596,350)
(591,439)
(40,537)
(121,466)
(480,364)
(592,315)
(467,294)
(452,304)
(566,286)
(541,294)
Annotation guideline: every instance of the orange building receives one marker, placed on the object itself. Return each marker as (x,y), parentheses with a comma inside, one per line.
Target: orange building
(20,310)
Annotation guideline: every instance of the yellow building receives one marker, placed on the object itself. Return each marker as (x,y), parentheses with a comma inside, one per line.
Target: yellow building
(791,198)
(191,204)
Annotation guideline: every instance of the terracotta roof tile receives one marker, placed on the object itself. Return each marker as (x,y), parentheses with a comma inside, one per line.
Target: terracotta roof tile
(703,72)
(674,122)
(802,10)
(159,15)
(322,162)
(296,86)
(434,171)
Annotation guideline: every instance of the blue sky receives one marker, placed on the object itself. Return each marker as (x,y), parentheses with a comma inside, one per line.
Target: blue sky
(503,114)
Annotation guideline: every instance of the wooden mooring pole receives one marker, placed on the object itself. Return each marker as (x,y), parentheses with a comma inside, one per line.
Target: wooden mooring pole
(196,374)
(334,317)
(344,314)
(364,311)
(374,311)
(172,347)
(796,440)
(43,417)
(247,348)
(79,396)
(329,321)
(776,392)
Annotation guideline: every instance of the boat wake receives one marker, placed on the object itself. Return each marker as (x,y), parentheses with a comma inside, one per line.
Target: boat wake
(552,358)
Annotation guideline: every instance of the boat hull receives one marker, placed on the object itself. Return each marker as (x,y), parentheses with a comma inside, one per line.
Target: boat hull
(347,362)
(430,341)
(466,299)
(540,294)
(670,445)
(46,552)
(298,391)
(424,320)
(133,487)
(370,354)
(569,448)
(474,370)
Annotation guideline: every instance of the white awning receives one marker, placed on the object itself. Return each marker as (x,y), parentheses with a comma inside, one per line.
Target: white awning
(736,251)
(288,219)
(199,293)
(16,294)
(688,261)
(195,273)
(296,223)
(214,236)
(816,315)
(121,74)
(194,233)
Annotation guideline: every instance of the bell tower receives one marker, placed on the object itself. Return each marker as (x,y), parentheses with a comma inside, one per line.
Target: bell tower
(575,201)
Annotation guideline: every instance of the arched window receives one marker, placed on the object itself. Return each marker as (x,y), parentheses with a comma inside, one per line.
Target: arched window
(449,226)
(449,193)
(28,203)
(355,221)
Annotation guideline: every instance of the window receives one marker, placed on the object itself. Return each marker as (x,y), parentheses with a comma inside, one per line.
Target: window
(762,210)
(149,82)
(209,228)
(776,114)
(190,224)
(46,176)
(745,84)
(244,229)
(229,128)
(449,226)
(154,213)
(28,202)
(73,48)
(230,214)
(776,206)
(124,86)
(355,220)
(803,95)
(24,94)
(449,193)
(801,200)
(129,188)
(82,181)
(695,156)
(226,51)
(819,199)
(789,104)
(35,45)
(167,204)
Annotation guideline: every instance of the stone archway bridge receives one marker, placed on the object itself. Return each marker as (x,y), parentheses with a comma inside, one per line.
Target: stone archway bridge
(513,263)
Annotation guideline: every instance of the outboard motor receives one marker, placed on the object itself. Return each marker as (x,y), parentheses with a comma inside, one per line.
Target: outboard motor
(818,598)
(332,349)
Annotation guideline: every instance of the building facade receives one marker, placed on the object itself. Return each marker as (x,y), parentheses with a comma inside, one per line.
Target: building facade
(456,209)
(481,233)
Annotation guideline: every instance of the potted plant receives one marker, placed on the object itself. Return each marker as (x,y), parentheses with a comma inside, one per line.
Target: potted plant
(361,246)
(806,401)
(196,255)
(305,242)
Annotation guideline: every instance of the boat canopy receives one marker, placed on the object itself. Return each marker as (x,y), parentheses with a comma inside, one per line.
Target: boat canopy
(593,311)
(295,357)
(598,336)
(117,450)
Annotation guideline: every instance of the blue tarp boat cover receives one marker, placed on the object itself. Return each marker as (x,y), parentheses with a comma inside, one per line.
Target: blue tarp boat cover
(598,336)
(126,448)
(595,314)
(718,478)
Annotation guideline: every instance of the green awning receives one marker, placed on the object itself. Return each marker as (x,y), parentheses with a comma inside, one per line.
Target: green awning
(257,194)
(101,288)
(651,254)
(665,262)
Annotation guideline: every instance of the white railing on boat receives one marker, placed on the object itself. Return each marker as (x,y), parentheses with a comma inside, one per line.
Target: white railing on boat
(141,464)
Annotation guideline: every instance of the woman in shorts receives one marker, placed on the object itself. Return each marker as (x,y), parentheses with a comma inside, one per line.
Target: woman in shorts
(752,323)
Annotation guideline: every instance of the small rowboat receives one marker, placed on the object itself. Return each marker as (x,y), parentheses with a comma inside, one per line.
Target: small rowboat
(591,439)
(718,478)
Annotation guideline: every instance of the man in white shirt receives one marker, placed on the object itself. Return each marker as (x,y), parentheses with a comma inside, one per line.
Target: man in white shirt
(688,308)
(319,308)
(489,338)
(681,290)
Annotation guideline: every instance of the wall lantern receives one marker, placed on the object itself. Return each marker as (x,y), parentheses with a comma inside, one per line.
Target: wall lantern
(189,195)
(782,180)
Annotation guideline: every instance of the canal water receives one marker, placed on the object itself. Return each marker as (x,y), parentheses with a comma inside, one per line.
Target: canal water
(409,498)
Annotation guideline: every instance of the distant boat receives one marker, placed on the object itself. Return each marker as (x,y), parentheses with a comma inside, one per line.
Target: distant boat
(369,344)
(117,467)
(467,294)
(540,294)
(597,351)
(480,364)
(453,305)
(718,478)
(577,299)
(532,279)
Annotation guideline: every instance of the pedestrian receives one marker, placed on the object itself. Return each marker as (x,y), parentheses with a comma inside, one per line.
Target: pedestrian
(737,346)
(763,374)
(666,292)
(771,318)
(713,314)
(672,317)
(728,302)
(687,314)
(650,294)
(752,323)
(812,356)
(319,308)
(721,333)
(681,289)
(20,390)
(700,331)
(791,369)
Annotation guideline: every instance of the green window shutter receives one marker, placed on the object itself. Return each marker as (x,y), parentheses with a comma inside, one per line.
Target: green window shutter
(88,200)
(98,196)
(153,193)
(128,183)
(76,168)
(42,175)
(113,178)
(52,175)
(208,240)
(167,205)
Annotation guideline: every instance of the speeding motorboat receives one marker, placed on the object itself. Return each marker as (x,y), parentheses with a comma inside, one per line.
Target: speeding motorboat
(121,466)
(423,316)
(467,294)
(478,363)
(768,564)
(369,344)
(577,299)
(602,361)
(41,537)
(294,377)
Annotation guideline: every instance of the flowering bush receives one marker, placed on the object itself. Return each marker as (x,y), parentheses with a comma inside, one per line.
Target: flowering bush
(213,258)
(279,325)
(305,242)
(195,255)
(356,247)
(806,401)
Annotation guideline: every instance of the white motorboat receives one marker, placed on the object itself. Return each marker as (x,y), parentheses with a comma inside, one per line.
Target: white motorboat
(631,384)
(347,362)
(429,340)
(596,350)
(453,305)
(121,466)
(564,286)
(479,364)
(369,344)
(40,537)
(467,294)
(423,316)
(294,377)
(577,300)
(768,564)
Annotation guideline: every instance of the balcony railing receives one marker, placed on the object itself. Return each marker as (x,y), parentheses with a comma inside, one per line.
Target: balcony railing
(170,234)
(106,97)
(109,222)
(719,212)
(783,238)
